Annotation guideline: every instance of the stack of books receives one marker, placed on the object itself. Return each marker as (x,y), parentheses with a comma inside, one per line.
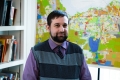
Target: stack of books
(7,13)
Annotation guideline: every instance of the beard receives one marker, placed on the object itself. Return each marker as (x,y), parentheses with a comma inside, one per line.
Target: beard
(59,39)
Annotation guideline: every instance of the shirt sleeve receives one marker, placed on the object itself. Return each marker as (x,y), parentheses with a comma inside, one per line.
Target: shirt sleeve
(85,73)
(30,71)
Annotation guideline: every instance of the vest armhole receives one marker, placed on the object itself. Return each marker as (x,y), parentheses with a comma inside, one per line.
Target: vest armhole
(36,59)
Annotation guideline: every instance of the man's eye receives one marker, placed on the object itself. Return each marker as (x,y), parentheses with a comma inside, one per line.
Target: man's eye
(57,25)
(65,26)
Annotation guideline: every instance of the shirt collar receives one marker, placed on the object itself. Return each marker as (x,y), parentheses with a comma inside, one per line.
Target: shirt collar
(54,45)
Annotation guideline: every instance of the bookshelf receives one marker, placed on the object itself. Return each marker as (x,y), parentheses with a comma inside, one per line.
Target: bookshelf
(11,64)
(11,28)
(19,32)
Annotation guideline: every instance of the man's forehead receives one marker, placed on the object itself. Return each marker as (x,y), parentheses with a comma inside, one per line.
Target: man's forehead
(57,19)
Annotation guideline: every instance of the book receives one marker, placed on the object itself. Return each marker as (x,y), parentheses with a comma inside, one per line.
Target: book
(2,11)
(7,47)
(11,75)
(6,76)
(11,16)
(1,49)
(8,54)
(9,5)
(4,14)
(14,50)
(14,16)
(3,42)
(6,36)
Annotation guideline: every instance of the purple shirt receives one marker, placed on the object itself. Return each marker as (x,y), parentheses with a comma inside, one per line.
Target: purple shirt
(31,72)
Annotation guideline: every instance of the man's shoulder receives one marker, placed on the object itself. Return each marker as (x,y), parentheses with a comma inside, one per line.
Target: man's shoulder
(75,47)
(41,45)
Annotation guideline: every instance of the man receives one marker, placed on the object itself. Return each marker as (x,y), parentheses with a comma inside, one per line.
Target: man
(56,58)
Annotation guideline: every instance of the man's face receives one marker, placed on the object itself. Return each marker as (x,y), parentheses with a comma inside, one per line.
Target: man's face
(59,29)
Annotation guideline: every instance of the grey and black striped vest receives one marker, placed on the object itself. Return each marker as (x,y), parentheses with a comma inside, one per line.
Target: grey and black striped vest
(52,67)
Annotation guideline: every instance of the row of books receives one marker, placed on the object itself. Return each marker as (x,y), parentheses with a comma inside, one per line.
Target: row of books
(9,75)
(8,48)
(7,13)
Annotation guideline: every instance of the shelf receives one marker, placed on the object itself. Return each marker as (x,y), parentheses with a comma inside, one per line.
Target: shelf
(10,64)
(11,28)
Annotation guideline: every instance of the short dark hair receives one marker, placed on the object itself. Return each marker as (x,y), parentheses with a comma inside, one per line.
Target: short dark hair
(55,14)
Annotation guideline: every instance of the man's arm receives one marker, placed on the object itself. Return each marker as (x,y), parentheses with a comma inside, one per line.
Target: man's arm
(85,73)
(30,70)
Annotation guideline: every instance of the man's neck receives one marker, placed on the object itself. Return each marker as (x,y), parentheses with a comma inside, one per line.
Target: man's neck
(55,42)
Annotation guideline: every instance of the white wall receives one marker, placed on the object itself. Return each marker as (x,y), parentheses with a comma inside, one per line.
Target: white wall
(31,24)
(105,74)
(110,74)
(94,71)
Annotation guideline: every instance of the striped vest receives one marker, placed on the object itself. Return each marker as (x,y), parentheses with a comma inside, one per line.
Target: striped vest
(52,67)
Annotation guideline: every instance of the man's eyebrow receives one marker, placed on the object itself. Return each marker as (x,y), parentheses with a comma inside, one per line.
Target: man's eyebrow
(65,23)
(57,23)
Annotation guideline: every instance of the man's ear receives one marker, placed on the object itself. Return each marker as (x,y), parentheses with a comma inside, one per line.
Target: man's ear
(48,28)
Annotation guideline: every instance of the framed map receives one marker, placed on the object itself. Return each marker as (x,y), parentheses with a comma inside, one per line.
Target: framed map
(94,25)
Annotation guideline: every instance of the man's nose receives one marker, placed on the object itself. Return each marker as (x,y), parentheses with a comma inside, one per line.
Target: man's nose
(61,28)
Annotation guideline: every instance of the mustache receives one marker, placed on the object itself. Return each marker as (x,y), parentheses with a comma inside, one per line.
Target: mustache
(61,33)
